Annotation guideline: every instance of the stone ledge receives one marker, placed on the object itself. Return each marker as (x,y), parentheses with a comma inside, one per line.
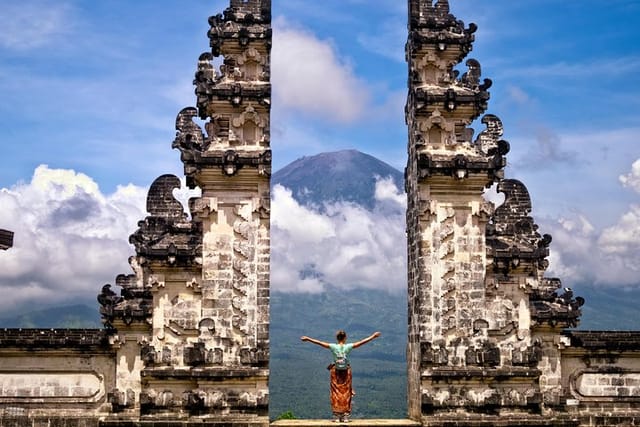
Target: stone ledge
(500,421)
(605,340)
(466,373)
(53,338)
(206,373)
(182,423)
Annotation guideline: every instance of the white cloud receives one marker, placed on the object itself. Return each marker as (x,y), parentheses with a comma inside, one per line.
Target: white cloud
(632,179)
(69,238)
(33,24)
(623,239)
(309,226)
(346,247)
(386,191)
(308,75)
(581,254)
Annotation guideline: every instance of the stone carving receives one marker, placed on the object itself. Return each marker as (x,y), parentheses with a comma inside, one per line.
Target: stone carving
(512,235)
(489,141)
(189,136)
(486,355)
(197,401)
(558,310)
(152,400)
(121,400)
(530,356)
(433,355)
(148,354)
(108,300)
(196,355)
(167,234)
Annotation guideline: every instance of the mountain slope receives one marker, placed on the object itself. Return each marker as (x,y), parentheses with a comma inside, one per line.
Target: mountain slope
(347,175)
(74,316)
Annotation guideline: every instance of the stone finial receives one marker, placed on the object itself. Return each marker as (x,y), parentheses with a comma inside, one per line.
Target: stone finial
(189,134)
(488,141)
(512,217)
(252,6)
(167,235)
(419,9)
(160,199)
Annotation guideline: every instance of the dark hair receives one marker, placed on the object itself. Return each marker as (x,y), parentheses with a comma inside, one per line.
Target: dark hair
(341,335)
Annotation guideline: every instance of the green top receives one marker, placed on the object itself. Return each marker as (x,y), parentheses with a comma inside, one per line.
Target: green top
(340,350)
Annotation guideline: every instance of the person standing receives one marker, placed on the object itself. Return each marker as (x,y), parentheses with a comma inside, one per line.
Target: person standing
(340,372)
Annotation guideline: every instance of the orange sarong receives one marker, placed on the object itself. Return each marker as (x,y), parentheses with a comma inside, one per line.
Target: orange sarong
(341,391)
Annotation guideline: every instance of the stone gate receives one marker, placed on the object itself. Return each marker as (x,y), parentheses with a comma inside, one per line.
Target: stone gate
(186,337)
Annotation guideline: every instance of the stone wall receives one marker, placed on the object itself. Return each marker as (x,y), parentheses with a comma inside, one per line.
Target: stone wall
(601,376)
(55,374)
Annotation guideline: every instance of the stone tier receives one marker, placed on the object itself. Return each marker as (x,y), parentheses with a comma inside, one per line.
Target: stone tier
(226,163)
(604,341)
(458,102)
(233,93)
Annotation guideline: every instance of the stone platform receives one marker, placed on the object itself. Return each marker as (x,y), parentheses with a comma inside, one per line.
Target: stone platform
(480,421)
(353,422)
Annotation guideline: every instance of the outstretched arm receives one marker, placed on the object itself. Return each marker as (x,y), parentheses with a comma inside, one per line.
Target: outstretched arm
(315,341)
(372,337)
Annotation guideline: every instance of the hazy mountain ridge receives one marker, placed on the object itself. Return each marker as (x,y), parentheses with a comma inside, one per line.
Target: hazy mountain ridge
(66,317)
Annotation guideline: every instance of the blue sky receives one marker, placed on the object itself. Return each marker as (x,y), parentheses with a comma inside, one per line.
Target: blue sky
(91,89)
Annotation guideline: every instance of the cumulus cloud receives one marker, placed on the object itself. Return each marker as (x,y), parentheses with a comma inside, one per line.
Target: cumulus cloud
(345,246)
(632,179)
(309,76)
(581,253)
(32,24)
(386,193)
(69,239)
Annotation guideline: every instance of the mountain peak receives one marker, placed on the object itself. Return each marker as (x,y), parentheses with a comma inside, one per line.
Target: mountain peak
(346,175)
